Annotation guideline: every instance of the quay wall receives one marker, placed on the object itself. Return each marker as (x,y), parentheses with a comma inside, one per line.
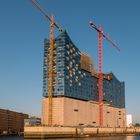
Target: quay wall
(35,132)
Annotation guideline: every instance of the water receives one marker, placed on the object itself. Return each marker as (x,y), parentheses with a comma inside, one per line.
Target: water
(95,138)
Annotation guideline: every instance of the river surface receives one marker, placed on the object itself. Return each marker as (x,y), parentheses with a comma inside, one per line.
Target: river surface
(95,138)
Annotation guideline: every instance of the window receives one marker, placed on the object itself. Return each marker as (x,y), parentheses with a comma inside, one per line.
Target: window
(58,72)
(67,46)
(59,48)
(73,61)
(59,55)
(67,58)
(67,77)
(79,84)
(68,52)
(59,63)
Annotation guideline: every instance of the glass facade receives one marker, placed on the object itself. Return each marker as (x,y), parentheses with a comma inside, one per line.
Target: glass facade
(71,80)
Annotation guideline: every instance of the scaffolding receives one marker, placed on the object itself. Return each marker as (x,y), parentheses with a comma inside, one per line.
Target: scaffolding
(87,63)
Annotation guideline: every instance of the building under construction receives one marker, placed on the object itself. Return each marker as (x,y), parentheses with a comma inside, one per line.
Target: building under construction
(75,89)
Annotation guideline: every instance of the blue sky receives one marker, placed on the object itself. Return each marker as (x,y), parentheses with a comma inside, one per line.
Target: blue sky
(22,32)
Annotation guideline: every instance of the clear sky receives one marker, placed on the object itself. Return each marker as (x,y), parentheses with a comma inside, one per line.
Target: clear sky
(22,32)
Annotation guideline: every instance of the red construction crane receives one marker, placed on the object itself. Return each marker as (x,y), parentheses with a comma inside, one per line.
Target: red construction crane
(101,34)
(51,71)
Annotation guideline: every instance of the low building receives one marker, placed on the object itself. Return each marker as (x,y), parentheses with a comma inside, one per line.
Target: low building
(11,121)
(32,121)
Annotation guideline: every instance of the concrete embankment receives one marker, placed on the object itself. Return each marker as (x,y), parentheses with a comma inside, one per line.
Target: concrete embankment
(36,132)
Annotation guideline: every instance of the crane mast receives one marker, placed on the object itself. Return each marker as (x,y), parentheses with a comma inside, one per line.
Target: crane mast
(51,74)
(51,71)
(100,67)
(100,82)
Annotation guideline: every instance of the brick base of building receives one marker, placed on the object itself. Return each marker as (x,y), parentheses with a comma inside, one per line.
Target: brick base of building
(73,112)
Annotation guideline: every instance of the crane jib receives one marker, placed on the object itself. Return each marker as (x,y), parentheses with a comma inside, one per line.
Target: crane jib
(46,15)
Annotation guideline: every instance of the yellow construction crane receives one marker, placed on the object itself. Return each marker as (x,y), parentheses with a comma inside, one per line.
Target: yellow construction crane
(51,53)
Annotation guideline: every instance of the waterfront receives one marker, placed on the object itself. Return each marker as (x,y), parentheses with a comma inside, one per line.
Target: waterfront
(91,138)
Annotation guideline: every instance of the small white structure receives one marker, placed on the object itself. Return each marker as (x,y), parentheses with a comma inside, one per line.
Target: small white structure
(32,121)
(129,120)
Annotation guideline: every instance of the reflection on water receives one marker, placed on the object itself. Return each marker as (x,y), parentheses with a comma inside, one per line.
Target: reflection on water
(95,138)
(100,138)
(105,138)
